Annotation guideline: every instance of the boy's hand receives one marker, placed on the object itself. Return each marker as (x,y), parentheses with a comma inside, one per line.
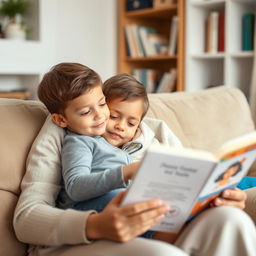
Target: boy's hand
(231,197)
(129,170)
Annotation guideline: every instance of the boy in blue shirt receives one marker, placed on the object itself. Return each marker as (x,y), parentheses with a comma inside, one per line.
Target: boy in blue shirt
(91,166)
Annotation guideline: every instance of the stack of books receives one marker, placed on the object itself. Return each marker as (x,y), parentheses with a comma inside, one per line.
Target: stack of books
(145,41)
(156,81)
(148,77)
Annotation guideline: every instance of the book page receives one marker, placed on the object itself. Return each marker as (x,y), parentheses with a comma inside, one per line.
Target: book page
(237,146)
(177,180)
(186,152)
(227,174)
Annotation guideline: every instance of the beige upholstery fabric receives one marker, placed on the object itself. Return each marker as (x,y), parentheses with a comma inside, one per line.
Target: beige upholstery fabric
(251,202)
(9,244)
(201,120)
(19,125)
(204,119)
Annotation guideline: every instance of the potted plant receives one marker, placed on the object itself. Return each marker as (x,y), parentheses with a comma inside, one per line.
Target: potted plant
(14,11)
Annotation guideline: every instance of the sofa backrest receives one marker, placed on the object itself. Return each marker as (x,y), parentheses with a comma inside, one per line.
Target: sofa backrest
(19,125)
(204,119)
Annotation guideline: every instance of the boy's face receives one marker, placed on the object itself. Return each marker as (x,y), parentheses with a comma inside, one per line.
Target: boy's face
(87,114)
(125,117)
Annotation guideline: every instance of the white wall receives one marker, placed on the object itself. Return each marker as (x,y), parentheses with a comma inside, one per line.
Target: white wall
(69,30)
(86,32)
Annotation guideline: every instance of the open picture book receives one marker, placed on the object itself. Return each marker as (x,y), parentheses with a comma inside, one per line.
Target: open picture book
(188,179)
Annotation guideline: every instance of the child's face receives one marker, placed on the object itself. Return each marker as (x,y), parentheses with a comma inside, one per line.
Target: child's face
(87,114)
(125,117)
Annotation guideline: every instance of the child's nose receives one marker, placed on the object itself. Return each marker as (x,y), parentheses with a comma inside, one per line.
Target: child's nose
(98,114)
(120,125)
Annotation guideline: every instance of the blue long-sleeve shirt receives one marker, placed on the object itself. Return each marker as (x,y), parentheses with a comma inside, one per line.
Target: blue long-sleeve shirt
(90,167)
(247,182)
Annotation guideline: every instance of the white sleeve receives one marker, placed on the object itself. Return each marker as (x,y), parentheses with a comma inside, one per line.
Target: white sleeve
(162,132)
(36,220)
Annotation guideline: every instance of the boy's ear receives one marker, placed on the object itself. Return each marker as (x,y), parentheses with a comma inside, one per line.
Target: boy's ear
(60,120)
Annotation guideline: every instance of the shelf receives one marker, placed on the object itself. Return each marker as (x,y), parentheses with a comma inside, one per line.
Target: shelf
(22,95)
(208,56)
(153,12)
(209,4)
(153,58)
(248,54)
(28,82)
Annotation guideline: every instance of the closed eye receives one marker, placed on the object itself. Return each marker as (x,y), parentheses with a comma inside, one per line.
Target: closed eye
(103,104)
(113,117)
(85,113)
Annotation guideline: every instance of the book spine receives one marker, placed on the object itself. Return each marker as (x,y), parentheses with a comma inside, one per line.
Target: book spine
(144,38)
(208,34)
(214,32)
(221,32)
(130,42)
(142,47)
(139,50)
(144,33)
(248,20)
(150,86)
(167,82)
(173,35)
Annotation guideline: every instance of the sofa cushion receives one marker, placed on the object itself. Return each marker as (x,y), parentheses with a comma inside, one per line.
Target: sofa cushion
(204,119)
(20,123)
(9,244)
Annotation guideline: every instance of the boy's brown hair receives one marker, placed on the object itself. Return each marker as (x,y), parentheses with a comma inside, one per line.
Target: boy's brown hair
(65,81)
(126,87)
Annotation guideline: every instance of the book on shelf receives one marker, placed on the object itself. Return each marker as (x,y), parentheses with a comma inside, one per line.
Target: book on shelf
(132,5)
(221,32)
(173,35)
(137,41)
(212,32)
(130,40)
(248,29)
(144,41)
(145,34)
(16,94)
(148,77)
(159,44)
(189,179)
(167,82)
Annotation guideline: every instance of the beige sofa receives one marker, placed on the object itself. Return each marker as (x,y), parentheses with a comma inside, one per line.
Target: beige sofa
(202,120)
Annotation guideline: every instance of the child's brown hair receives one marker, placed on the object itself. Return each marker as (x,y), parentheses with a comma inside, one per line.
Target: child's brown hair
(126,87)
(65,81)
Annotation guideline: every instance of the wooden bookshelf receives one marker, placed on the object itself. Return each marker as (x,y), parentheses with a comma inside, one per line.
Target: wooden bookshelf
(160,19)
